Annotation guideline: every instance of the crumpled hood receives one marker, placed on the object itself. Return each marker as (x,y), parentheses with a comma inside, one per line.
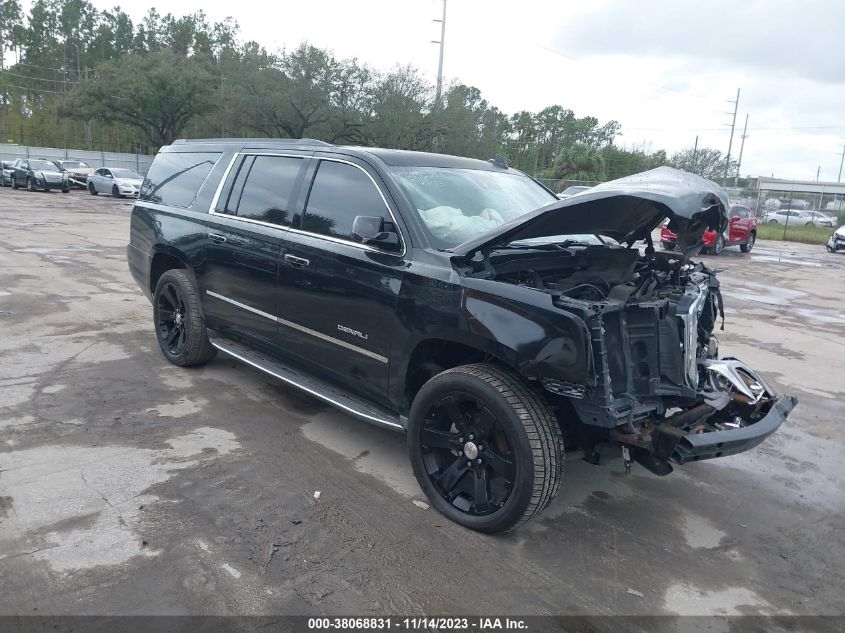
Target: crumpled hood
(627,209)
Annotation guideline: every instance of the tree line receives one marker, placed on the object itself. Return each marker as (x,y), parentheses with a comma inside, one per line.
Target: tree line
(73,76)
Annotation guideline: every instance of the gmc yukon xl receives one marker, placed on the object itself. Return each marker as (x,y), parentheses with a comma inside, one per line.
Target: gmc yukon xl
(458,301)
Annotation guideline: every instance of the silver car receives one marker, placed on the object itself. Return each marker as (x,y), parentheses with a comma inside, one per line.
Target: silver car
(116,181)
(7,169)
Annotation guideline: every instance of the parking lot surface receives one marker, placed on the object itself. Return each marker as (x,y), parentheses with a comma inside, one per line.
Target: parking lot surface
(130,486)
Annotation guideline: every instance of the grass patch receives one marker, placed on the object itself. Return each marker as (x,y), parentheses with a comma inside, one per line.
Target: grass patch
(805,234)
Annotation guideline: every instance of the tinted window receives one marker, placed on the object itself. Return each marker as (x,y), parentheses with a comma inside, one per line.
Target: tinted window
(340,192)
(175,178)
(263,190)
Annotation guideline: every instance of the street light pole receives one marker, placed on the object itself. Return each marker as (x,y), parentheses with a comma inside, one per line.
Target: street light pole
(731,141)
(741,150)
(440,61)
(841,160)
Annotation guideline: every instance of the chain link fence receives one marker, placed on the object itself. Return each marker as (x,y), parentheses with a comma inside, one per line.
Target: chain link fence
(136,162)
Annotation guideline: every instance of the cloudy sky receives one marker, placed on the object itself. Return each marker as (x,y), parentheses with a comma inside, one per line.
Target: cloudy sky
(665,69)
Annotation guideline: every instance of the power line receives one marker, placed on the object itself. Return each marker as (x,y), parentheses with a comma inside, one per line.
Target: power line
(55,81)
(29,89)
(658,86)
(61,70)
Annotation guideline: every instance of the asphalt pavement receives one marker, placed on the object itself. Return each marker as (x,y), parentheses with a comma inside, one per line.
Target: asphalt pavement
(130,486)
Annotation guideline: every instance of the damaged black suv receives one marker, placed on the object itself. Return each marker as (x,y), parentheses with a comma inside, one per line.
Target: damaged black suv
(456,300)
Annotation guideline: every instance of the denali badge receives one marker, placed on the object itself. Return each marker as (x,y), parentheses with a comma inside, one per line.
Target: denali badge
(349,330)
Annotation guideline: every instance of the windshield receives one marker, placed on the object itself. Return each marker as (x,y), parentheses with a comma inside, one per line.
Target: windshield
(126,173)
(456,205)
(42,165)
(73,164)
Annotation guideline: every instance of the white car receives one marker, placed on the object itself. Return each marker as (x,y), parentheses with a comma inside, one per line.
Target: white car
(820,219)
(794,216)
(118,182)
(836,242)
(571,191)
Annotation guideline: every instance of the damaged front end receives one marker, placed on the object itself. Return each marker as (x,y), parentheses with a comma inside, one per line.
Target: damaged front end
(655,383)
(660,388)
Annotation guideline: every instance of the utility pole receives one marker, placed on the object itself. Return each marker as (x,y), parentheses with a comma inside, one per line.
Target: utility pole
(841,160)
(440,62)
(694,152)
(731,141)
(818,173)
(741,149)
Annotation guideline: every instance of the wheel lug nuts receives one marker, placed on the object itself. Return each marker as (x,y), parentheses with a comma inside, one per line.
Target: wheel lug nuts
(479,461)
(469,464)
(461,440)
(471,436)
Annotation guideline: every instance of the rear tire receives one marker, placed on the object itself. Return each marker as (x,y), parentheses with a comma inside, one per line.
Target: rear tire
(179,320)
(746,248)
(773,221)
(486,449)
(92,190)
(718,245)
(14,183)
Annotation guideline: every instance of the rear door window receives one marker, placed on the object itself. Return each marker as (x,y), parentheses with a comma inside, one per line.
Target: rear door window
(175,178)
(264,188)
(340,193)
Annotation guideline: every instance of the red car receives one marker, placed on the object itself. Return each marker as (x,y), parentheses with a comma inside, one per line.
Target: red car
(742,230)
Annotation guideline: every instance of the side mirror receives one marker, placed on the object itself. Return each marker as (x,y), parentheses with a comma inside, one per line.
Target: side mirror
(373,230)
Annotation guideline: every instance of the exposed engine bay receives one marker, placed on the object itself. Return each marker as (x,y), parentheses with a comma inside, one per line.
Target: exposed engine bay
(657,382)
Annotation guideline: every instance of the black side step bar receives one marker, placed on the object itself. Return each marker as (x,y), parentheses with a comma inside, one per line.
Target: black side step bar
(317,387)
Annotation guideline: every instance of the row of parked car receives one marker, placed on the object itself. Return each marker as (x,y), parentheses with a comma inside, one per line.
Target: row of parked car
(40,173)
(799,217)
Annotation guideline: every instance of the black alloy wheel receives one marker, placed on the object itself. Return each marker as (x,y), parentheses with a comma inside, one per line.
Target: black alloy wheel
(485,447)
(719,245)
(170,320)
(468,454)
(179,320)
(30,186)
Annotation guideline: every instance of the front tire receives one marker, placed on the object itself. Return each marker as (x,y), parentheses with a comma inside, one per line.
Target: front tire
(115,192)
(14,183)
(179,320)
(486,449)
(746,248)
(92,190)
(719,245)
(30,186)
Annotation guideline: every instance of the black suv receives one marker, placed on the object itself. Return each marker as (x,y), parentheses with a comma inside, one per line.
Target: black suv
(36,173)
(456,300)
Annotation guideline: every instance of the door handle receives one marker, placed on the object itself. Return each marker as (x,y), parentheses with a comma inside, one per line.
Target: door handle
(296,262)
(216,237)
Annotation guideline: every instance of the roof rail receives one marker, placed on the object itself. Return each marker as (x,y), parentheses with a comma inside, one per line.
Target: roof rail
(298,141)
